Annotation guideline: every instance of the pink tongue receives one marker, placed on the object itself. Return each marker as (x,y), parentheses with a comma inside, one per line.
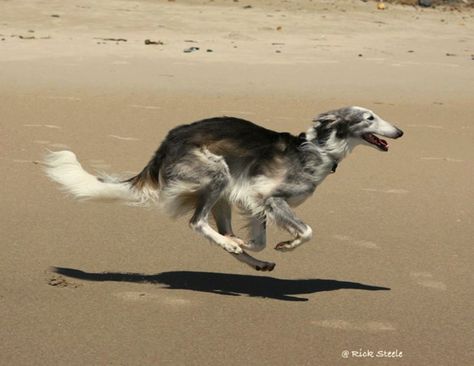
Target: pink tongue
(382,144)
(379,141)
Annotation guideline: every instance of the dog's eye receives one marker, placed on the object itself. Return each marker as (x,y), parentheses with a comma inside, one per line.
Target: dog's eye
(371,118)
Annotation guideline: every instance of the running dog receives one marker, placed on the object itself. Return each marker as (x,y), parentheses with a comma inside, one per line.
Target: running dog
(210,165)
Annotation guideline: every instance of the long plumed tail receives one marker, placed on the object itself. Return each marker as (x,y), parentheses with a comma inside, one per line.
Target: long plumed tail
(64,168)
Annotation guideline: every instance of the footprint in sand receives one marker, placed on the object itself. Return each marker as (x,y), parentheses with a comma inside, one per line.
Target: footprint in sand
(425,279)
(388,190)
(137,296)
(60,281)
(63,97)
(371,326)
(383,103)
(378,59)
(144,106)
(451,160)
(325,61)
(237,36)
(58,146)
(360,243)
(413,63)
(56,127)
(123,138)
(38,125)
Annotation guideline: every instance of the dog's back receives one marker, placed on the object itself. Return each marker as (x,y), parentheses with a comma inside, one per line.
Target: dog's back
(224,145)
(241,143)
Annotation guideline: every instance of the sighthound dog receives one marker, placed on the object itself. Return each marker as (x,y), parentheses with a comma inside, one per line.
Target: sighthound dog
(210,165)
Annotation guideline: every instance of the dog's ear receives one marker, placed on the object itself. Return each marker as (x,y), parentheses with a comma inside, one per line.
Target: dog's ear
(325,118)
(322,125)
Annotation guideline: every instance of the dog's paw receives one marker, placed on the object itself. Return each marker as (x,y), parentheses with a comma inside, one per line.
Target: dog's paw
(285,246)
(265,267)
(232,247)
(237,240)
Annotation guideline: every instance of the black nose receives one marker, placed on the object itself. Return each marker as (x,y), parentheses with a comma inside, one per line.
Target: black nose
(399,134)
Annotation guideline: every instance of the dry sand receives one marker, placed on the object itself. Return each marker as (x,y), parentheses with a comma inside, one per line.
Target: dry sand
(390,266)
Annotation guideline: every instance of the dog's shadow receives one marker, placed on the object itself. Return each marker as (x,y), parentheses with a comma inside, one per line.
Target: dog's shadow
(224,283)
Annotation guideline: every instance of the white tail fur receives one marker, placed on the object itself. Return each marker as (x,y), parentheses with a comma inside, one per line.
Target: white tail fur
(64,168)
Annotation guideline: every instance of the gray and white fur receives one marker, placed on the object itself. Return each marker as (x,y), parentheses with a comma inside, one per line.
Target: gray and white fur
(208,166)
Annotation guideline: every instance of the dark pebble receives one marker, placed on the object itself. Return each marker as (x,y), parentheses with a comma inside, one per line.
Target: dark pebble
(191,49)
(425,3)
(148,41)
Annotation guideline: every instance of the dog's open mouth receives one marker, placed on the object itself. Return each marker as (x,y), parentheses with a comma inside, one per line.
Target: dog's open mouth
(374,140)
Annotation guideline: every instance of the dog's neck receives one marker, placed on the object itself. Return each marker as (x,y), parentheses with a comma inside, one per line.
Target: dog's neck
(324,154)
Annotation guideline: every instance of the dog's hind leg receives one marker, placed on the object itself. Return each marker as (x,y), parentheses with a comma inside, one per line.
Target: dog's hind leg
(199,221)
(280,212)
(222,215)
(258,234)
(254,262)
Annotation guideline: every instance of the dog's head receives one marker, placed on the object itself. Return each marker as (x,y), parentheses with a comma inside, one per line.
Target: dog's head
(355,124)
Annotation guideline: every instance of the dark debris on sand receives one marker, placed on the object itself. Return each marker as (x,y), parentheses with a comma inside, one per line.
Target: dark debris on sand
(449,4)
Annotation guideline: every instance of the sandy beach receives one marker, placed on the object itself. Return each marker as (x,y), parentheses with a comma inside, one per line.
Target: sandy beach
(387,276)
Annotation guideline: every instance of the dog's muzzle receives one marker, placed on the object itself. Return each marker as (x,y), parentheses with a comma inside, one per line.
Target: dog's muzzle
(381,143)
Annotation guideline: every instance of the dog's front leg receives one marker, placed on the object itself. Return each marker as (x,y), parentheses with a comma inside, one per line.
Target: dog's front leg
(258,234)
(280,212)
